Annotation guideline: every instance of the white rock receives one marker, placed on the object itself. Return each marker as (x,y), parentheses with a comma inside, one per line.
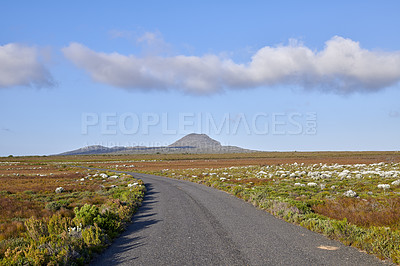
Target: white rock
(60,190)
(312,184)
(350,193)
(396,183)
(384,186)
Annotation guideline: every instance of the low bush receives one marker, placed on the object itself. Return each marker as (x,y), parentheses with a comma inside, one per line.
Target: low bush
(56,205)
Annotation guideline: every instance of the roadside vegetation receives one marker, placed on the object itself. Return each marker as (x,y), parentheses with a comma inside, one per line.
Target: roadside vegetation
(52,214)
(357,204)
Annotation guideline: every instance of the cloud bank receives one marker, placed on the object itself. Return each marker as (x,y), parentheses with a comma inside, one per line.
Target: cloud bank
(20,66)
(341,67)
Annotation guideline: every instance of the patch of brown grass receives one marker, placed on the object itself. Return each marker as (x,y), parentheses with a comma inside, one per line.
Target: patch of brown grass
(363,212)
(12,207)
(11,229)
(18,210)
(15,184)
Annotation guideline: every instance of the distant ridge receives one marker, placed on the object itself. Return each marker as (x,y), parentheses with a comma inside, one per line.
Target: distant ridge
(192,143)
(94,149)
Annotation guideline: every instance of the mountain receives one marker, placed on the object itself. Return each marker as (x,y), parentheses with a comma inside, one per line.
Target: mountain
(196,141)
(192,143)
(94,149)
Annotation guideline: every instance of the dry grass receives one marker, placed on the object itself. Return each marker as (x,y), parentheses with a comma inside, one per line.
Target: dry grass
(15,184)
(363,212)
(14,211)
(156,162)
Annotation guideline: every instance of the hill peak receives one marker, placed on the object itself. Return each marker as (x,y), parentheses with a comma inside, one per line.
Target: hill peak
(196,141)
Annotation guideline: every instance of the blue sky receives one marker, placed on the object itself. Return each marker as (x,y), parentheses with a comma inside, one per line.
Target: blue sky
(264,75)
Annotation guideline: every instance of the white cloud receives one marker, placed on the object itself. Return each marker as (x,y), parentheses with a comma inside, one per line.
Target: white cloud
(341,67)
(20,66)
(149,38)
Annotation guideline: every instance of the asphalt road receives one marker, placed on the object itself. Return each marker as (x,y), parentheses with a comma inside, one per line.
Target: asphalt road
(183,223)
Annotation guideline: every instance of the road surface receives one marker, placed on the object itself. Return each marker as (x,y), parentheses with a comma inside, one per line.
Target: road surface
(183,223)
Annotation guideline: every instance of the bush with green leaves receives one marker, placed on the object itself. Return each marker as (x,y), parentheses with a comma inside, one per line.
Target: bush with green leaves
(89,215)
(56,205)
(86,215)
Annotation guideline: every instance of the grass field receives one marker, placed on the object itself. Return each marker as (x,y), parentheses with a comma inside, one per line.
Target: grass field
(153,162)
(349,196)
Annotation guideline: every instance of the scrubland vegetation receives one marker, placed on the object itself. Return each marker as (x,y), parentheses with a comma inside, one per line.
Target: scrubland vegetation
(349,196)
(53,214)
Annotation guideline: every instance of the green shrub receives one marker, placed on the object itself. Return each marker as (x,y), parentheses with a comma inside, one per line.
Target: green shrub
(92,236)
(36,228)
(89,215)
(237,190)
(58,224)
(86,215)
(4,193)
(56,205)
